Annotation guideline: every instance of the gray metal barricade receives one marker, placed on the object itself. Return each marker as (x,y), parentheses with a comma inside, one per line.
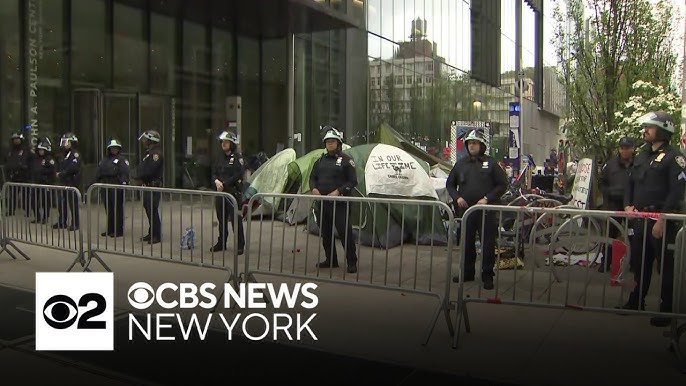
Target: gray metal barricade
(404,247)
(187,226)
(31,215)
(565,245)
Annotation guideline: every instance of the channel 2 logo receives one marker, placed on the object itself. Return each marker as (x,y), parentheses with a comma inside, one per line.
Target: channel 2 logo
(74,311)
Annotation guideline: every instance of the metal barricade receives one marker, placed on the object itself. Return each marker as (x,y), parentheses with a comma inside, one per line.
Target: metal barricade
(564,248)
(184,235)
(404,247)
(31,214)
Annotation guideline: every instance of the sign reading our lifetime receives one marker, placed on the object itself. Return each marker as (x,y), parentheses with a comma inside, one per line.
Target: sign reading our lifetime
(391,162)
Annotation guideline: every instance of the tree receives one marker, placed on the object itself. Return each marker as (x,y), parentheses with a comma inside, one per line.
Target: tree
(603,56)
(646,97)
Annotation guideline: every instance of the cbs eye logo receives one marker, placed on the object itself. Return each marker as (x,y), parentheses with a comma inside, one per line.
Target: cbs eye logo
(141,295)
(77,311)
(61,311)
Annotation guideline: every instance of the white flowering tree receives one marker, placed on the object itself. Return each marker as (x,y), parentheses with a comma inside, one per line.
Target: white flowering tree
(605,47)
(646,97)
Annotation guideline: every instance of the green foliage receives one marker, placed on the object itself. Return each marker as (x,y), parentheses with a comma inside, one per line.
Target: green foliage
(646,97)
(605,47)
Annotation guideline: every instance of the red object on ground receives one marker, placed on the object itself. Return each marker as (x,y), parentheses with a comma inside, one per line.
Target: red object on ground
(618,252)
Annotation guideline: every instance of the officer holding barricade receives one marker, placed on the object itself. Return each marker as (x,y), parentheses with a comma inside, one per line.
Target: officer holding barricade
(228,174)
(657,182)
(333,174)
(475,179)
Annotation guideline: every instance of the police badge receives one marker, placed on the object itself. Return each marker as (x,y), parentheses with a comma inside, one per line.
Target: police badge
(155,157)
(681,161)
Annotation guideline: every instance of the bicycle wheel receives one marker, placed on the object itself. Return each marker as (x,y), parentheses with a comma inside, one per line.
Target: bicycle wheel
(578,234)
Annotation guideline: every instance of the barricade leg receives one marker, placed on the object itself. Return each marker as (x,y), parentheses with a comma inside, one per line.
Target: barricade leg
(80,258)
(460,314)
(232,280)
(444,307)
(94,255)
(4,244)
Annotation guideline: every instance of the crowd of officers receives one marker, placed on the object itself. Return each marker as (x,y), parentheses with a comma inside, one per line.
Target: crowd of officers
(653,181)
(40,166)
(333,174)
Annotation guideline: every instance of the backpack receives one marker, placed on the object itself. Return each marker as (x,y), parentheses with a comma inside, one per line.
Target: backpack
(188,239)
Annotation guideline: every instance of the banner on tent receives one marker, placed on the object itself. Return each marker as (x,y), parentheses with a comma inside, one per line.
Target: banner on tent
(394,172)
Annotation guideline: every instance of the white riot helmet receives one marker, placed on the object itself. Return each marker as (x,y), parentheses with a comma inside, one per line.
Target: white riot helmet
(150,135)
(475,135)
(68,138)
(330,132)
(113,143)
(228,136)
(45,144)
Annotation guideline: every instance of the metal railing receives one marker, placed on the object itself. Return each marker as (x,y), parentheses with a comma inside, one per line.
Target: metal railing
(565,246)
(42,215)
(186,224)
(402,253)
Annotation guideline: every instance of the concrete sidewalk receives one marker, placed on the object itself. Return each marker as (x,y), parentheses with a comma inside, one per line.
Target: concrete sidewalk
(508,344)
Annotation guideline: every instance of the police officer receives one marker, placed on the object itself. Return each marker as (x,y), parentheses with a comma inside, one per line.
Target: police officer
(149,172)
(475,179)
(228,174)
(612,183)
(18,168)
(333,174)
(43,173)
(114,170)
(68,174)
(657,182)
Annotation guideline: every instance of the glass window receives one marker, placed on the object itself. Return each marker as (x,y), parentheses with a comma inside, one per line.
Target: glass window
(10,74)
(223,73)
(374,16)
(274,94)
(130,49)
(90,63)
(195,105)
(162,54)
(248,54)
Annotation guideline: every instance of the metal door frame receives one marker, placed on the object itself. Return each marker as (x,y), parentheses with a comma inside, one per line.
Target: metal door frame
(168,121)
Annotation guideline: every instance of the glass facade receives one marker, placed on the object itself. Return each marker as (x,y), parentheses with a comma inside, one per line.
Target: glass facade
(419,66)
(114,68)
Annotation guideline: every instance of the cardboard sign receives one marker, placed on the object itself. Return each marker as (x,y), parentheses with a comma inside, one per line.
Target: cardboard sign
(582,183)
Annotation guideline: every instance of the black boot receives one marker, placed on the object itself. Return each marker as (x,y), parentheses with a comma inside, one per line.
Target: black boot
(328,264)
(219,246)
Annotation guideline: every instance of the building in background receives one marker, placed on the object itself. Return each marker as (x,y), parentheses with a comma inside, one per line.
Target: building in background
(275,69)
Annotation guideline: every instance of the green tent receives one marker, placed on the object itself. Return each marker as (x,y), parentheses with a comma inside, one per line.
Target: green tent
(299,183)
(270,177)
(388,171)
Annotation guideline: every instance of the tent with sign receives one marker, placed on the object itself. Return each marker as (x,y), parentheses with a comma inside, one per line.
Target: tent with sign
(388,171)
(270,177)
